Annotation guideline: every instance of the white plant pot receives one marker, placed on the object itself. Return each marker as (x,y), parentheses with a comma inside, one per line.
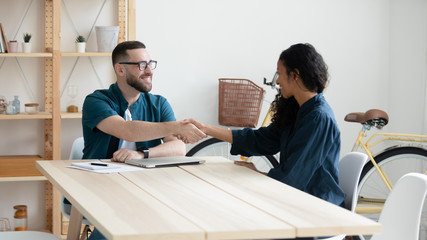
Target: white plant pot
(107,37)
(26,47)
(81,47)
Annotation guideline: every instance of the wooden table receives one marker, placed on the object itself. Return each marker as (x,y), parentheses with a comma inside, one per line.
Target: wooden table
(215,200)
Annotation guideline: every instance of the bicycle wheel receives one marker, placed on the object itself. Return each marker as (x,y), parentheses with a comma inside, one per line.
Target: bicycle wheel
(395,163)
(216,147)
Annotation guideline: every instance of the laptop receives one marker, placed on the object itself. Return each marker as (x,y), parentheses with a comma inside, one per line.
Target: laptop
(164,161)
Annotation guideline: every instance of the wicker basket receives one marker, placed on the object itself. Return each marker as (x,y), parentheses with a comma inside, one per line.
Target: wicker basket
(239,102)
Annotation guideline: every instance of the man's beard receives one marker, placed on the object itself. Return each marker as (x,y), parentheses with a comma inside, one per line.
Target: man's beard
(133,82)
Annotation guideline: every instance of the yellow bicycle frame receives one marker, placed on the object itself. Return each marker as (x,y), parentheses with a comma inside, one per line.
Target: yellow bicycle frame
(366,146)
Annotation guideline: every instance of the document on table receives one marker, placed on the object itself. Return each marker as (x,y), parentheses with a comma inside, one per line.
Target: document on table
(103,167)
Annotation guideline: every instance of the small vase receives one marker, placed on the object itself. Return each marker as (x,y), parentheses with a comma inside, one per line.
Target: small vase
(10,109)
(107,37)
(81,47)
(13,47)
(26,47)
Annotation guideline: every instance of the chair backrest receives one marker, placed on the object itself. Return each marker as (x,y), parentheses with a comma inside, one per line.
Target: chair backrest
(350,167)
(33,235)
(75,154)
(77,149)
(400,217)
(349,170)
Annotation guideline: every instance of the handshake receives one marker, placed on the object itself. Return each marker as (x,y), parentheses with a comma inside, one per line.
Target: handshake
(190,131)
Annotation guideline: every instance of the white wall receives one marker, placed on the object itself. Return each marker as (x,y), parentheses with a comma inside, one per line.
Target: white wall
(196,42)
(408,41)
(376,52)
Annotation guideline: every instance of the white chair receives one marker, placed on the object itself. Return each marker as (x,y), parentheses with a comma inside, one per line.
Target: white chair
(401,214)
(33,235)
(77,149)
(349,169)
(75,154)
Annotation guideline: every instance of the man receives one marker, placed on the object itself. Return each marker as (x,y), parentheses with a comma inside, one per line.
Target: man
(126,121)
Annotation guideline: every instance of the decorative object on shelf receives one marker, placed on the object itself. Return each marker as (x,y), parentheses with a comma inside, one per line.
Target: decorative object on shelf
(80,44)
(31,108)
(72,91)
(17,105)
(13,46)
(20,218)
(107,37)
(3,104)
(4,46)
(4,225)
(26,45)
(10,109)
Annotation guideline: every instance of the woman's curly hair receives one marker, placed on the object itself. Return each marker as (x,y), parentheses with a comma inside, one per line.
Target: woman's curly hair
(314,74)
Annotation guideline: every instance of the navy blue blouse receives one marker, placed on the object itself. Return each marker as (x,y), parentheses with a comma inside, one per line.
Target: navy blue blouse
(309,154)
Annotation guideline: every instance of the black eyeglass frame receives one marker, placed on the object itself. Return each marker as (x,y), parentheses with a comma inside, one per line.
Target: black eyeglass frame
(140,64)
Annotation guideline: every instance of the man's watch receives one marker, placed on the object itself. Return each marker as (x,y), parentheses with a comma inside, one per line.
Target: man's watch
(145,151)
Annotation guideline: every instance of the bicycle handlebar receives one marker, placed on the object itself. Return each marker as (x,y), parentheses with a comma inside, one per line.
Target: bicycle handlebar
(273,81)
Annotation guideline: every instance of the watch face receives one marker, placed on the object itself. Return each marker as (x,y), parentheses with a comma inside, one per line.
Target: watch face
(145,151)
(142,149)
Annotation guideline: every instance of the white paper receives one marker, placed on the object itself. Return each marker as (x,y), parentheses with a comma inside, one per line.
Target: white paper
(111,168)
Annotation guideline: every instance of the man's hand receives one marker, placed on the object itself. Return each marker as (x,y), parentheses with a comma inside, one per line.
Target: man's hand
(189,133)
(213,131)
(198,124)
(124,154)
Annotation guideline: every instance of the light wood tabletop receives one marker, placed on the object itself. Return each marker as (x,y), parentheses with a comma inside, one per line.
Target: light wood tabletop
(214,200)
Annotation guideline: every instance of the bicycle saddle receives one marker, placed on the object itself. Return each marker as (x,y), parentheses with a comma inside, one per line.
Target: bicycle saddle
(373,117)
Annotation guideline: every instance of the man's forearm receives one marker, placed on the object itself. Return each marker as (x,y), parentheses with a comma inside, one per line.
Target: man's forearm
(139,131)
(170,148)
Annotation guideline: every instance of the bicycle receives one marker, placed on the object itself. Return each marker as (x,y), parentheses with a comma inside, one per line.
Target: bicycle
(239,106)
(405,153)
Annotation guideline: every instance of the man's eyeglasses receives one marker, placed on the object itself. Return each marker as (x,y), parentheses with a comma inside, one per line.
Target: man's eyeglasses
(142,64)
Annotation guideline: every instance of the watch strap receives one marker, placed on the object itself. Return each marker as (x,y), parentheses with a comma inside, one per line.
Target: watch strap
(145,151)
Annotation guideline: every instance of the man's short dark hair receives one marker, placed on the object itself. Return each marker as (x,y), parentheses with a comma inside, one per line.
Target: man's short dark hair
(120,51)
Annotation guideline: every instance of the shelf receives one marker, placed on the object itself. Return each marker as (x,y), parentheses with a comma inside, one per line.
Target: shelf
(64,54)
(67,115)
(25,54)
(22,179)
(86,54)
(40,115)
(22,168)
(19,166)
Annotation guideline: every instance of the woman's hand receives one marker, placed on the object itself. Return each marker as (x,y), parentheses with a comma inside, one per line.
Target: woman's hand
(248,165)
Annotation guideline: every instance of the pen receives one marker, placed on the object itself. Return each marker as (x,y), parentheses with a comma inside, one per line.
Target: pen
(99,164)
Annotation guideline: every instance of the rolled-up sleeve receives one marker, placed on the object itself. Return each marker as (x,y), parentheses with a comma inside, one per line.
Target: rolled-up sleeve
(260,142)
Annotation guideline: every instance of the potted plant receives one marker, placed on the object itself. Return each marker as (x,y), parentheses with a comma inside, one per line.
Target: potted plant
(80,44)
(13,46)
(26,45)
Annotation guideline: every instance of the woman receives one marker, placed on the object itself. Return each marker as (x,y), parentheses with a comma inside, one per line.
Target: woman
(303,128)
